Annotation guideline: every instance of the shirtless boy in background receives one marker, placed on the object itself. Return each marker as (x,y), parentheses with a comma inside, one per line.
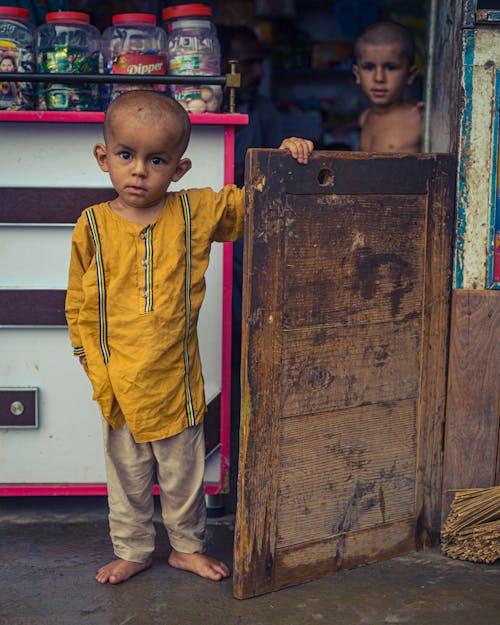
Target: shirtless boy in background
(384,65)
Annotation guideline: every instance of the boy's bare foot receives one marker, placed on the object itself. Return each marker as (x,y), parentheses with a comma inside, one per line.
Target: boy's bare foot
(118,571)
(200,564)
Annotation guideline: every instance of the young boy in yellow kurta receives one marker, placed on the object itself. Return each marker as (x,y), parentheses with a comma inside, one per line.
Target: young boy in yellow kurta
(136,284)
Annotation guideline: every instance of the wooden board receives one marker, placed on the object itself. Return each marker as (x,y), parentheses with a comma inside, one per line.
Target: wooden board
(472,443)
(345,318)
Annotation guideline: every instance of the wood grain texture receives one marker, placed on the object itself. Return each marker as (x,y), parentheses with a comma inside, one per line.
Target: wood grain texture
(473,421)
(382,365)
(362,262)
(256,534)
(338,474)
(309,561)
(444,93)
(437,280)
(346,303)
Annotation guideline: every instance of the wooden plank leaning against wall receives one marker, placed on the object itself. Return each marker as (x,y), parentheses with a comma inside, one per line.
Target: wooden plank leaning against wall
(472,434)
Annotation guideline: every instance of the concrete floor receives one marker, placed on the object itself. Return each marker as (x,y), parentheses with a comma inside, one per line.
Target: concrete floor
(51,547)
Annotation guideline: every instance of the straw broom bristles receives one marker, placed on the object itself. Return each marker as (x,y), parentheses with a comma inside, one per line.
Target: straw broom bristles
(472,530)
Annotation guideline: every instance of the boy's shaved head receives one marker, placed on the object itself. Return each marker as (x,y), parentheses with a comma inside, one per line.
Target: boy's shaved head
(149,106)
(383,33)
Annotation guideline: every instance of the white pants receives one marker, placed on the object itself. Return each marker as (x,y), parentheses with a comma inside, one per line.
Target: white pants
(178,465)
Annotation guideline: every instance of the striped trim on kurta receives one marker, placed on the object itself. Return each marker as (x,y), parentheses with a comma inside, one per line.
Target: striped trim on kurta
(148,268)
(101,285)
(187,301)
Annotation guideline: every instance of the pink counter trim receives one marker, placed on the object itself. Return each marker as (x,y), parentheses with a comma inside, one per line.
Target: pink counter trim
(227,296)
(61,490)
(197,119)
(43,490)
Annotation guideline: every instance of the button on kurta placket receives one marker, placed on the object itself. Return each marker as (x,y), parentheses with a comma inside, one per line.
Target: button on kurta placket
(147,262)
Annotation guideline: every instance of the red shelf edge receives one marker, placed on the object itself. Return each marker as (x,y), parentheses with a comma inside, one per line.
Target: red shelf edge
(73,117)
(62,490)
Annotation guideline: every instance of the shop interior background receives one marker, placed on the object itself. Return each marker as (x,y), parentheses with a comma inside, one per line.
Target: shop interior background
(308,52)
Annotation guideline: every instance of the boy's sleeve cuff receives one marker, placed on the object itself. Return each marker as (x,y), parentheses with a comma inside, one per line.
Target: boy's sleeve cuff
(78,351)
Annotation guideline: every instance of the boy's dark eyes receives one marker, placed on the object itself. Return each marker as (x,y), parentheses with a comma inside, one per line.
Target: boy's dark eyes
(126,156)
(370,67)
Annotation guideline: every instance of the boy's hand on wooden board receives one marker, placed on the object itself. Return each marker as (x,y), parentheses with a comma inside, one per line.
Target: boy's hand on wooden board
(299,148)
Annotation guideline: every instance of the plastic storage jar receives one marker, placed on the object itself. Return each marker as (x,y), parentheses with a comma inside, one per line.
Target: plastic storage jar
(193,48)
(68,43)
(134,44)
(17,54)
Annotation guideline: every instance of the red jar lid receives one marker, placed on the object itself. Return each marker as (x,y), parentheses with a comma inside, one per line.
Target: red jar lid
(186,10)
(14,12)
(67,16)
(145,18)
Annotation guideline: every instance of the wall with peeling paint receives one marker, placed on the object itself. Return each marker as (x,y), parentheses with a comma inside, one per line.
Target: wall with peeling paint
(477,155)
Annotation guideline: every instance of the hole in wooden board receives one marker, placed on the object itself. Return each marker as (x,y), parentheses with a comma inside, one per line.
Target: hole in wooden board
(325,176)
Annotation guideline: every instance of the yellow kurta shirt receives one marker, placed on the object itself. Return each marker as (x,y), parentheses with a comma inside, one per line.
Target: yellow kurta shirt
(134,295)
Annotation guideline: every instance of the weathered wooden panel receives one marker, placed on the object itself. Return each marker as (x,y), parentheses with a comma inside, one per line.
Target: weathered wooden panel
(301,563)
(335,175)
(434,364)
(326,368)
(443,67)
(363,260)
(345,320)
(473,420)
(497,478)
(359,480)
